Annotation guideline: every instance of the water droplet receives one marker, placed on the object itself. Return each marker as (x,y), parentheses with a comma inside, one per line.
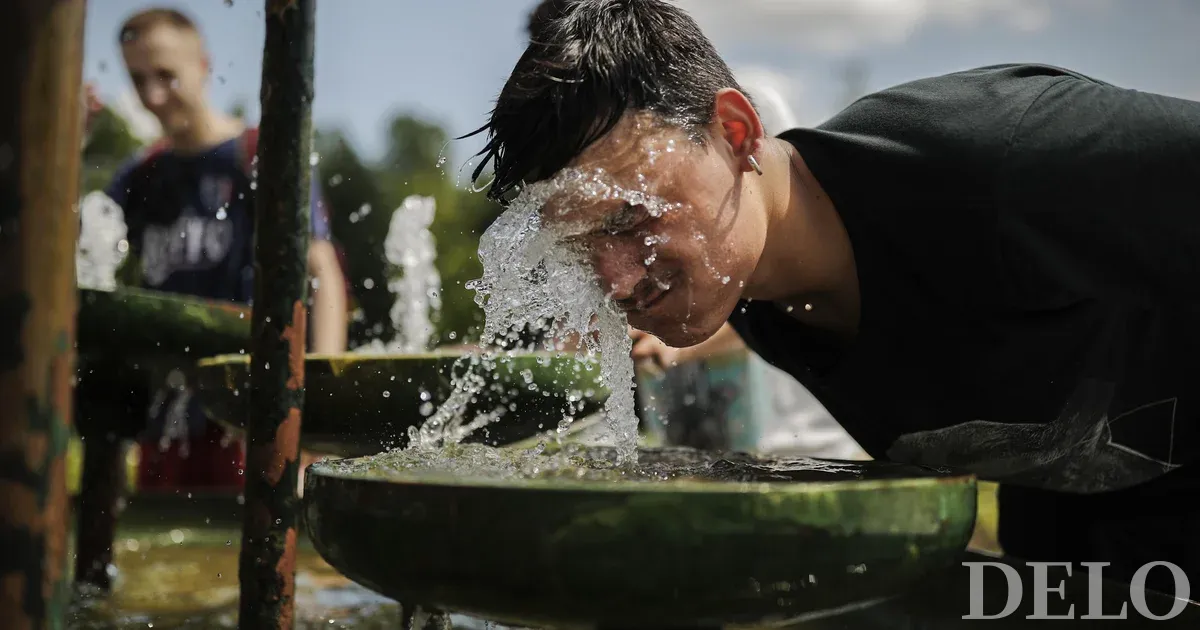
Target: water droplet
(387,394)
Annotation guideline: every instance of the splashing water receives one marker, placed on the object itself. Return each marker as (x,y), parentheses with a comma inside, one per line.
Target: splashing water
(410,247)
(533,280)
(469,462)
(102,245)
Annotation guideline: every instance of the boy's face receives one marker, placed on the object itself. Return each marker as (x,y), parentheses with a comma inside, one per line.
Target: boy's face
(169,69)
(679,274)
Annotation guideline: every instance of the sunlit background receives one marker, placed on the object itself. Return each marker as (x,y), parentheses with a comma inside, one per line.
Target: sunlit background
(398,80)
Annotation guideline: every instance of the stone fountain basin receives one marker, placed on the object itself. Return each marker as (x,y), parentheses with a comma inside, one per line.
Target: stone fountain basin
(137,322)
(127,338)
(357,404)
(572,553)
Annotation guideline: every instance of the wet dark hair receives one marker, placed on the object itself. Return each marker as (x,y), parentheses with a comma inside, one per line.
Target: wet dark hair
(543,13)
(589,62)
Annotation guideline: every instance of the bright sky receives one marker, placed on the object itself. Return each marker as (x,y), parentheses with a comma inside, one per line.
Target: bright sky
(447,59)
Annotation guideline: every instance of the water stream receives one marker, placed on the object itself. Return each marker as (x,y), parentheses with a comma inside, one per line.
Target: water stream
(102,245)
(410,248)
(534,279)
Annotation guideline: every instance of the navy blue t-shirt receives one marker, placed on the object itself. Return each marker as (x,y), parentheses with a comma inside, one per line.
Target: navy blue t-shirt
(190,219)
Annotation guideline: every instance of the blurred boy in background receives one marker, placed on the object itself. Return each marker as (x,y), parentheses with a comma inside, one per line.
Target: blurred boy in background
(188,202)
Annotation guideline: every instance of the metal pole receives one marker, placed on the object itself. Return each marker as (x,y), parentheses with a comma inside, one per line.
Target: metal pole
(267,563)
(101,490)
(41,122)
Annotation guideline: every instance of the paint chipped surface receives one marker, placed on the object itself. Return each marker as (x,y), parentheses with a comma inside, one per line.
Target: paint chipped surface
(287,567)
(295,336)
(286,451)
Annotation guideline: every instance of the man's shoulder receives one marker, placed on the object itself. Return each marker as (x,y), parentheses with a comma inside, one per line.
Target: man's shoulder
(993,85)
(1020,75)
(980,107)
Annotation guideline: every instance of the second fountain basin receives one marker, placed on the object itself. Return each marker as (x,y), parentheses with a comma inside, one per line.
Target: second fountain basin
(358,404)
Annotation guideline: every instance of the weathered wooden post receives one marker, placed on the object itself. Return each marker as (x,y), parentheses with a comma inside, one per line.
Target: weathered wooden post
(41,122)
(267,564)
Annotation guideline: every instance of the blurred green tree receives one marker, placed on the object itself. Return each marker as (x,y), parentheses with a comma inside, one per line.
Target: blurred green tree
(362,198)
(110,144)
(352,195)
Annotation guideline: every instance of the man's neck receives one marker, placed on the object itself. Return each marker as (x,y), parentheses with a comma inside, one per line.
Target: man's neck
(807,265)
(206,130)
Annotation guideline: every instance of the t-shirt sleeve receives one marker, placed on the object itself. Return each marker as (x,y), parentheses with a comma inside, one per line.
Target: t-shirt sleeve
(120,190)
(319,214)
(1100,196)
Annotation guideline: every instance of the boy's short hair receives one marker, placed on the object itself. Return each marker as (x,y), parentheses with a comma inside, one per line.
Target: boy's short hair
(589,62)
(144,20)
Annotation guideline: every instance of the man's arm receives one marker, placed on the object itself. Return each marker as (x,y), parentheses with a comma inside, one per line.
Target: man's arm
(329,299)
(329,290)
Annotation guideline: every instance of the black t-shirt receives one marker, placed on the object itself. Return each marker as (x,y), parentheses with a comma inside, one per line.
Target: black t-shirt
(1027,242)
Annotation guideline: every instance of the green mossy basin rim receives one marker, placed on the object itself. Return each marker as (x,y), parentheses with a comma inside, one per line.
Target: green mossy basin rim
(345,359)
(127,294)
(898,476)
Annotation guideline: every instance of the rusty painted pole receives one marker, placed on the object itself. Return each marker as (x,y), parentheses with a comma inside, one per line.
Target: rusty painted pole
(41,122)
(267,563)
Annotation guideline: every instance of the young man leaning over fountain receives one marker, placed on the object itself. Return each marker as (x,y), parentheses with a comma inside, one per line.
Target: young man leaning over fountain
(994,270)
(188,203)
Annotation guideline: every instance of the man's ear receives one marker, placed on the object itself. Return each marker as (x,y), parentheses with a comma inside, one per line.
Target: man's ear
(739,126)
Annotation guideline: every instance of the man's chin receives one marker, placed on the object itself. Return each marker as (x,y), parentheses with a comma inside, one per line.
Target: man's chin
(676,335)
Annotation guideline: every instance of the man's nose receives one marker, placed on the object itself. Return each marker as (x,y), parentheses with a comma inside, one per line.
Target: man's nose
(619,276)
(154,94)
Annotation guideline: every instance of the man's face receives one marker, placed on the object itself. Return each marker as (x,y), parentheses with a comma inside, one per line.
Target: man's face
(169,69)
(676,262)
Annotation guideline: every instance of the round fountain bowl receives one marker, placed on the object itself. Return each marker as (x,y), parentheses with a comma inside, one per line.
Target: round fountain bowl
(733,539)
(128,339)
(357,404)
(140,323)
